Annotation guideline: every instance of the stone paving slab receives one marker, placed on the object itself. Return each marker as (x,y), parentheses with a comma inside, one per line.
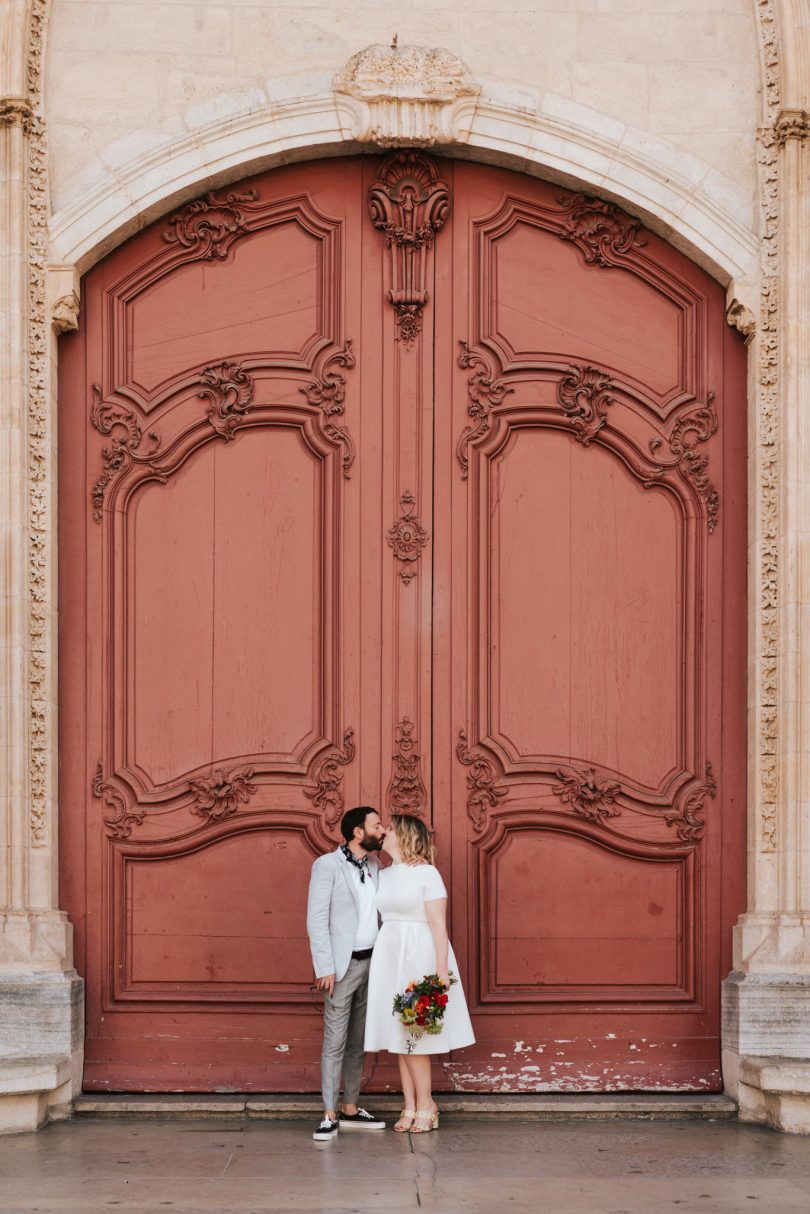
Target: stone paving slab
(561,1167)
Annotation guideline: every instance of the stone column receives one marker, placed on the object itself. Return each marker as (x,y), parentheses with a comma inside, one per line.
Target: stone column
(767,997)
(40,992)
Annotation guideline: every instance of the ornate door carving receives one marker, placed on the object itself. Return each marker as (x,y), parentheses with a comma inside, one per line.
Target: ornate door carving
(417,484)
(587,515)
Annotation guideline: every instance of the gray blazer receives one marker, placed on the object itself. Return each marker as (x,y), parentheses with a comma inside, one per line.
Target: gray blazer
(333,912)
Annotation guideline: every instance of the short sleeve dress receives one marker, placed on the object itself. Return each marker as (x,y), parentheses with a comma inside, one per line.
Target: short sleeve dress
(404,953)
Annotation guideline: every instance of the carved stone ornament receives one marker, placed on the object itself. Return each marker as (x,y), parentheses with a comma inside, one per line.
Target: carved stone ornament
(482,790)
(37,430)
(685,818)
(220,794)
(327,794)
(409,204)
(403,96)
(122,819)
(328,394)
(767,442)
(601,230)
(692,427)
(583,396)
(209,226)
(230,390)
(16,111)
(407,538)
(65,313)
(588,796)
(123,451)
(485,393)
(406,792)
(792,124)
(742,318)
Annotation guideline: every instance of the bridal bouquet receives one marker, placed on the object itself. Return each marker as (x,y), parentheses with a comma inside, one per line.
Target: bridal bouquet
(421,1008)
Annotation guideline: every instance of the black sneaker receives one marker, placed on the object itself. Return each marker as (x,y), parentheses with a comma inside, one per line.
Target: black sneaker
(326,1131)
(362,1119)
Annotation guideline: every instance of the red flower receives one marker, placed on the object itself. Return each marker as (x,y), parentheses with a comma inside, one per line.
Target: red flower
(441,1000)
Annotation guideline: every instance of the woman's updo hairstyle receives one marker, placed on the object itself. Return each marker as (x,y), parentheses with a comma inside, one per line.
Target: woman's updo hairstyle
(414,838)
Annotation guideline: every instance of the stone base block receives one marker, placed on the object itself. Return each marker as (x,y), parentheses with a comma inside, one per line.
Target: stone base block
(766,1048)
(775,1092)
(30,1088)
(40,1013)
(41,1047)
(766,1015)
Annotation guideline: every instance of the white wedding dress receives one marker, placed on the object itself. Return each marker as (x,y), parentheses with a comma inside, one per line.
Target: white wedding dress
(404,953)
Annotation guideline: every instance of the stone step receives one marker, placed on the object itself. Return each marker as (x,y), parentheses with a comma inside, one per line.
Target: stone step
(30,1089)
(544,1106)
(43,1073)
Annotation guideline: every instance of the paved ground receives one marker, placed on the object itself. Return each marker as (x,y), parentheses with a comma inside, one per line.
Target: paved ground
(562,1167)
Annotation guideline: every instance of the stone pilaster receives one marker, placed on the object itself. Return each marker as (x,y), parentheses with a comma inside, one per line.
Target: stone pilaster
(40,993)
(766,999)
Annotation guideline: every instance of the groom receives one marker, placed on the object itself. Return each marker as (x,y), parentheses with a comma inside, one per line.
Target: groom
(342,925)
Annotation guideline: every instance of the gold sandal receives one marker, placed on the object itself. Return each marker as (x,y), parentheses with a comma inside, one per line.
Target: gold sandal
(407,1115)
(424,1122)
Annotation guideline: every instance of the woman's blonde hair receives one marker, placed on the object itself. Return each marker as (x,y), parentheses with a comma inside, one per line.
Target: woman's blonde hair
(414,838)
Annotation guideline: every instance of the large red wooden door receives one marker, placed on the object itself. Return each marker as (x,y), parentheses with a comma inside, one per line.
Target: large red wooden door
(416,484)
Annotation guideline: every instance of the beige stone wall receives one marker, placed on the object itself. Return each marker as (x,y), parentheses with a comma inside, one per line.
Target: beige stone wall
(685,71)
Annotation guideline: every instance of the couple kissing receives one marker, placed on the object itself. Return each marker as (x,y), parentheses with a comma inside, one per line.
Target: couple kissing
(375,934)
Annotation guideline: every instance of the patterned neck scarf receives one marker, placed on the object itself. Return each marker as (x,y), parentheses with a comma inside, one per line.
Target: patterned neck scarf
(362,865)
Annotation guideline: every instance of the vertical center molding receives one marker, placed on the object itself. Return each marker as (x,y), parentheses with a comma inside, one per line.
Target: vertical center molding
(409,204)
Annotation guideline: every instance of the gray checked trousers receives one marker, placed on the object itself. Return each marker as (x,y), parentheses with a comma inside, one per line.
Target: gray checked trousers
(344,1027)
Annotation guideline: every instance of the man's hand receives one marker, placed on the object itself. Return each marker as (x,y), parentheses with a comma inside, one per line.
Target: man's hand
(326,984)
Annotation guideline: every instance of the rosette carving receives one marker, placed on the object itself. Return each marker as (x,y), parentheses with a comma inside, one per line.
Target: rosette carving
(482,790)
(486,392)
(219,795)
(693,427)
(327,792)
(209,226)
(230,390)
(123,451)
(686,817)
(583,395)
(122,818)
(408,203)
(406,792)
(588,796)
(328,394)
(407,538)
(602,231)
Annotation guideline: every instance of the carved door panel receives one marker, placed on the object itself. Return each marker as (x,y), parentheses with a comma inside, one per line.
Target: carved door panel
(220,694)
(414,483)
(589,548)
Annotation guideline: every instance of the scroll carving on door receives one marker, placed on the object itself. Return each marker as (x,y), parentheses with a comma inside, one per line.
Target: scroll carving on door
(585,463)
(219,499)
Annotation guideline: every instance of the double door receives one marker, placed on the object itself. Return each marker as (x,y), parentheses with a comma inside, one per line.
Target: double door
(418,484)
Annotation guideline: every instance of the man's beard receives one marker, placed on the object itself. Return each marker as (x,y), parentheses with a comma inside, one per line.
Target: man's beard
(371,842)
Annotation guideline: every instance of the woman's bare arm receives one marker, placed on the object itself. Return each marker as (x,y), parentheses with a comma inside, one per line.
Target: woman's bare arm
(436,911)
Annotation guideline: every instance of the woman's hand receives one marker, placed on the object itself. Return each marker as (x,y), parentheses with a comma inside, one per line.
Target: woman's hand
(444,978)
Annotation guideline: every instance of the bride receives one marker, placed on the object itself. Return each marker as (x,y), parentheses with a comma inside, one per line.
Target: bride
(412,900)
